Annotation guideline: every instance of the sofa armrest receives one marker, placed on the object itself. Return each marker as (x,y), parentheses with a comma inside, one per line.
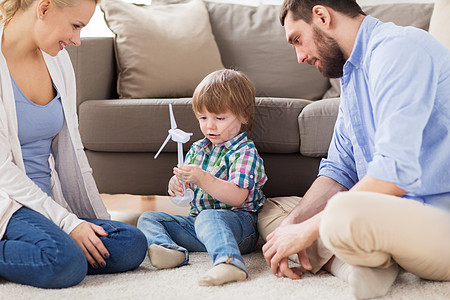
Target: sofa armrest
(316,126)
(95,68)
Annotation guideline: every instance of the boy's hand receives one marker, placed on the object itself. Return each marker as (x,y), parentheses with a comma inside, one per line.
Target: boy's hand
(175,187)
(190,174)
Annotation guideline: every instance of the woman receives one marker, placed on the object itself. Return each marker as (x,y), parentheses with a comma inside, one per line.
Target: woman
(46,185)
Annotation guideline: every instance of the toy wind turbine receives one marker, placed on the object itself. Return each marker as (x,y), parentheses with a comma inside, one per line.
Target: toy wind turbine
(180,137)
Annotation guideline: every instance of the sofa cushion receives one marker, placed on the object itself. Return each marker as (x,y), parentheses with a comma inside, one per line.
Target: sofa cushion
(161,51)
(133,125)
(141,125)
(440,22)
(275,128)
(403,14)
(252,39)
(316,125)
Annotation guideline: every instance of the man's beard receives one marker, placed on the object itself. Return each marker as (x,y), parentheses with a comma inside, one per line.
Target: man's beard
(330,54)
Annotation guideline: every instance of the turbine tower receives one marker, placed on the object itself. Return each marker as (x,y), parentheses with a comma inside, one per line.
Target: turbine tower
(180,137)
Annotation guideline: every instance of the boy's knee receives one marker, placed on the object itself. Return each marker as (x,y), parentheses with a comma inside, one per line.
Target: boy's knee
(152,217)
(207,216)
(204,220)
(208,213)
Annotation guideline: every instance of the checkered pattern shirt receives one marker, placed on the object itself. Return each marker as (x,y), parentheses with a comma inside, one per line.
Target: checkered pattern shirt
(237,161)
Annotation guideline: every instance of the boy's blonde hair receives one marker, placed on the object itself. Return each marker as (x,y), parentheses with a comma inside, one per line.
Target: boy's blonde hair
(8,8)
(226,90)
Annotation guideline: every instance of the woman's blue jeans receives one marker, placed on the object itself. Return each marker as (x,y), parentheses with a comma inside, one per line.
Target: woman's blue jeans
(223,233)
(35,251)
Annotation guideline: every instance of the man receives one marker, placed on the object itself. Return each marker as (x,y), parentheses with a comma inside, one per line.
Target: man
(389,153)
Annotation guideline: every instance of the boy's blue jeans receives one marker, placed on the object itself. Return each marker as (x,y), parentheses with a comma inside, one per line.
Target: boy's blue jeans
(35,251)
(223,233)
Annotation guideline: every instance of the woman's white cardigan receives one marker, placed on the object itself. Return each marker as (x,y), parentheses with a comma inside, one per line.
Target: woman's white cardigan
(75,194)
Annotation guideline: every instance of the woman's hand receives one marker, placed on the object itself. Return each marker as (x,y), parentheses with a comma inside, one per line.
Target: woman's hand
(86,236)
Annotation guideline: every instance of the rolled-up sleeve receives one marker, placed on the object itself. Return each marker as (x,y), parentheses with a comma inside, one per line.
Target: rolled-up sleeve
(403,100)
(340,163)
(246,169)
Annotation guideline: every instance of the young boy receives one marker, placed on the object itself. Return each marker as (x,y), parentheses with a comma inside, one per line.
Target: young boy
(227,176)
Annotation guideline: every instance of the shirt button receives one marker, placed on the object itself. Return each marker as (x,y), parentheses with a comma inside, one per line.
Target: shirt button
(251,176)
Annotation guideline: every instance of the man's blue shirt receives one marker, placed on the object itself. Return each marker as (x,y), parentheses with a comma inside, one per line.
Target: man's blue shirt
(394,116)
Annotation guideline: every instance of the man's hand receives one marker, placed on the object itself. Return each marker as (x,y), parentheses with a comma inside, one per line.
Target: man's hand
(86,236)
(292,273)
(287,240)
(299,229)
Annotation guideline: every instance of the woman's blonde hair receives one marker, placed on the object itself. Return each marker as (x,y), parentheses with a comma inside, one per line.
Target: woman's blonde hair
(8,8)
(226,90)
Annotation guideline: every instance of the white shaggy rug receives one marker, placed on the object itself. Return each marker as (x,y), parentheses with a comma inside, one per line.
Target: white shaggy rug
(181,284)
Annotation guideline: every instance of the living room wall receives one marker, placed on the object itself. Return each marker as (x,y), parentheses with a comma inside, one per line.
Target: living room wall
(97,26)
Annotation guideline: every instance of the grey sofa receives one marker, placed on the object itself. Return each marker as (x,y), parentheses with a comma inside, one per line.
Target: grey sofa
(292,128)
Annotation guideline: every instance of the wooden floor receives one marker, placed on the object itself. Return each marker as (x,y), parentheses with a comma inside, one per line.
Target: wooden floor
(138,204)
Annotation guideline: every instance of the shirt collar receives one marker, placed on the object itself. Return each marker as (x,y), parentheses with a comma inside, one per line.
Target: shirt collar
(363,36)
(230,144)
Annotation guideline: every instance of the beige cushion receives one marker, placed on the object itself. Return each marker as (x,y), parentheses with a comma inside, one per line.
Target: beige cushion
(402,14)
(252,39)
(440,22)
(161,51)
(316,124)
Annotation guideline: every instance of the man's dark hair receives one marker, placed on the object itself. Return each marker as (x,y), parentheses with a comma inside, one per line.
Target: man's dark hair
(302,9)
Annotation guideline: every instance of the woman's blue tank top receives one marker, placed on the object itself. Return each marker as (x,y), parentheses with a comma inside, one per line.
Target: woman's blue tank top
(37,124)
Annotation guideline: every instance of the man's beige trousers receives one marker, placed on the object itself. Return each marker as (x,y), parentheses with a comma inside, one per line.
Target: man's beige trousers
(374,230)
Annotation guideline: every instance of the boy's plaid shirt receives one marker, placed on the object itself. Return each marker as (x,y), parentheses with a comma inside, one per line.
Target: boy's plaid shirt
(237,161)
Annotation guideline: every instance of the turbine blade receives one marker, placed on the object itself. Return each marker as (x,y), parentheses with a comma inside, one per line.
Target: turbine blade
(164,144)
(173,124)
